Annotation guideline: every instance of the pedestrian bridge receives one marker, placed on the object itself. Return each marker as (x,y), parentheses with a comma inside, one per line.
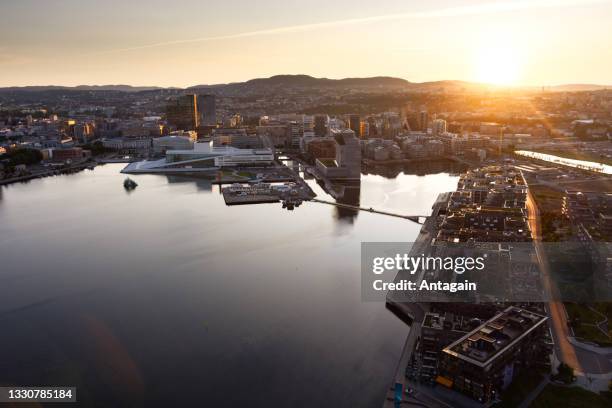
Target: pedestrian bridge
(419,219)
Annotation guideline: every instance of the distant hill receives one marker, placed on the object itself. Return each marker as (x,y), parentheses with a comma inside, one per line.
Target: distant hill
(451,86)
(308,81)
(301,82)
(265,85)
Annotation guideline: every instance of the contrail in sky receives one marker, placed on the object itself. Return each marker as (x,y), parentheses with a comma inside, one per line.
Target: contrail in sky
(477,9)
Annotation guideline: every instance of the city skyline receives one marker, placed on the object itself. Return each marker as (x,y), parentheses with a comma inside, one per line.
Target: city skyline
(518,43)
(302,204)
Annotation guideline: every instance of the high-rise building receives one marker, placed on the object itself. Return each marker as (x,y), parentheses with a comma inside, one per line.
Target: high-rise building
(347,163)
(438,126)
(355,124)
(392,125)
(423,121)
(364,129)
(182,112)
(295,132)
(308,123)
(373,126)
(207,107)
(321,124)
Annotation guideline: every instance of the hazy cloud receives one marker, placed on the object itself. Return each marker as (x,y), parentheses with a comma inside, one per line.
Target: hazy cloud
(7,58)
(478,9)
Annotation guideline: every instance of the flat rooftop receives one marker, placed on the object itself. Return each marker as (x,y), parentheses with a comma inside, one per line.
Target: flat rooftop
(328,162)
(490,340)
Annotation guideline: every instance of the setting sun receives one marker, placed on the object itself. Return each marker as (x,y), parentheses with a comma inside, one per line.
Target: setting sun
(498,60)
(327,203)
(497,67)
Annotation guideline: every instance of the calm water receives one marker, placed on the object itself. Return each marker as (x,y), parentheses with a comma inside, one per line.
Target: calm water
(166,297)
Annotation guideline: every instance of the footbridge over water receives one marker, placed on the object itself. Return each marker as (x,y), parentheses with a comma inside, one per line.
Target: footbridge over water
(419,219)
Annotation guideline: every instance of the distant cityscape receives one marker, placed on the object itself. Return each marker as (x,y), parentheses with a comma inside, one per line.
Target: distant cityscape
(536,169)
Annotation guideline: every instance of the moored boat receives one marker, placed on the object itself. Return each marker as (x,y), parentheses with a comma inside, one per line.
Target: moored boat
(129,184)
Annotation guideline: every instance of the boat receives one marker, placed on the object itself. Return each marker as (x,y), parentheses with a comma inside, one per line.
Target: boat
(129,184)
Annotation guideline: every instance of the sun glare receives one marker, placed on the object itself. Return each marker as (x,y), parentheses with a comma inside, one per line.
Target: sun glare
(498,60)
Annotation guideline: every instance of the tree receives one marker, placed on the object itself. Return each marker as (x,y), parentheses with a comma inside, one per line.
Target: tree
(23,156)
(565,373)
(97,148)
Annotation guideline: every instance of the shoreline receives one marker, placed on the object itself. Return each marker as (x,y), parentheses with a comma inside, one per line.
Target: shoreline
(48,173)
(412,311)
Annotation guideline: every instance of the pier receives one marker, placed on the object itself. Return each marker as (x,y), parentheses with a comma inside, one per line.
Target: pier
(233,199)
(419,219)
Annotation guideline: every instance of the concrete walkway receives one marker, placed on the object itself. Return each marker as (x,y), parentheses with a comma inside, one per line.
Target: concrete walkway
(590,347)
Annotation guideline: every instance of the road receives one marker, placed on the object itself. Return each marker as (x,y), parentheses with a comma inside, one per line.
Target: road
(581,359)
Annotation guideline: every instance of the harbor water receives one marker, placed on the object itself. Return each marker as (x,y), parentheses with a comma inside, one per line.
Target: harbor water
(164,296)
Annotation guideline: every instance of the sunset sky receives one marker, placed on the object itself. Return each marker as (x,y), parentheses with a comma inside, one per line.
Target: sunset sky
(190,42)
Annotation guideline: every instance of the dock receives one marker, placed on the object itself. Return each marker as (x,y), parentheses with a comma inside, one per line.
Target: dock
(232,180)
(238,194)
(233,199)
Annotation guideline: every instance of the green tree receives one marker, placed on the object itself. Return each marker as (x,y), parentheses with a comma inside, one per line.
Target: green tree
(23,156)
(565,373)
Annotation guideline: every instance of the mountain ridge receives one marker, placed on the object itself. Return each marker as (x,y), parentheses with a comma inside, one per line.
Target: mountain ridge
(307,81)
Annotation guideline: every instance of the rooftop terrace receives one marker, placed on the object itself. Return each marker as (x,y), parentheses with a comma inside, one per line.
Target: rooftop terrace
(482,345)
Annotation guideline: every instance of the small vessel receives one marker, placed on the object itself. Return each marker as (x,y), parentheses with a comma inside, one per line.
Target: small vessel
(129,184)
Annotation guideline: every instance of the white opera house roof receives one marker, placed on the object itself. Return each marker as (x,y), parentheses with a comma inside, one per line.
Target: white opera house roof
(203,157)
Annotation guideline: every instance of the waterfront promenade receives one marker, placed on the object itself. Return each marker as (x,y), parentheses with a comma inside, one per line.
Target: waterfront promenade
(415,312)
